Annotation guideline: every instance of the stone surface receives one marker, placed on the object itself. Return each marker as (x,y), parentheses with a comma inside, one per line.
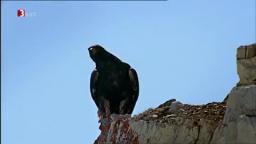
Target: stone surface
(232,121)
(180,123)
(246,64)
(239,123)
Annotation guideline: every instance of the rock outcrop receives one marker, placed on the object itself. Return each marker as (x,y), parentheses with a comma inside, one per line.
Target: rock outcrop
(239,123)
(230,121)
(246,64)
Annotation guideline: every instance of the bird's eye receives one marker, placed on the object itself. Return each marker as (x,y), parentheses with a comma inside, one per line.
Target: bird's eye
(90,49)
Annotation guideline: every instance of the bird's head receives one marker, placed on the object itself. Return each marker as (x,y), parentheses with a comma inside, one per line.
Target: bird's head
(100,56)
(96,51)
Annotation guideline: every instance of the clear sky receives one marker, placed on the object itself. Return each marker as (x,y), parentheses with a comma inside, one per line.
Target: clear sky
(180,49)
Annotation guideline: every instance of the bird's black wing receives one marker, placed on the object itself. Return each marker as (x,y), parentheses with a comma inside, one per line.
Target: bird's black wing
(93,83)
(135,87)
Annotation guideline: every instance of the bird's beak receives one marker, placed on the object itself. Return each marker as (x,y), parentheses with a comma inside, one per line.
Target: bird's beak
(92,50)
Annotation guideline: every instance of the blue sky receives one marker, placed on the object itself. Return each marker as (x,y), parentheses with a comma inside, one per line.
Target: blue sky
(180,49)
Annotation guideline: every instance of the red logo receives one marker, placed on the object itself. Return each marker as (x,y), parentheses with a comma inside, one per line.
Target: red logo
(20,13)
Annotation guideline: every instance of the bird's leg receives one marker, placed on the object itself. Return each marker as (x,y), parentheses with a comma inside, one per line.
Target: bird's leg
(100,115)
(104,118)
(122,107)
(107,108)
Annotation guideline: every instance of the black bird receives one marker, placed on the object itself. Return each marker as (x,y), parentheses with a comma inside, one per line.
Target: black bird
(114,84)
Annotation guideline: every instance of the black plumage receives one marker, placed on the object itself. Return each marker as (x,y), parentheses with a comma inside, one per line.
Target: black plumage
(114,84)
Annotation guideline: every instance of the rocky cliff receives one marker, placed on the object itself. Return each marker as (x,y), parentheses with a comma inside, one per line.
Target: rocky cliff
(230,121)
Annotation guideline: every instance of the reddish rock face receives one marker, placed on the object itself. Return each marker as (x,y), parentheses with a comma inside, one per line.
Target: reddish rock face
(117,130)
(104,127)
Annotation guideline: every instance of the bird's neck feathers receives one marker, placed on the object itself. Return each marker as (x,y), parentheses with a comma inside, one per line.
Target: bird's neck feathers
(107,58)
(106,61)
(112,58)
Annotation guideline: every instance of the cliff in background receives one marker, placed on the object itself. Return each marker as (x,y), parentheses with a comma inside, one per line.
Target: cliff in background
(230,121)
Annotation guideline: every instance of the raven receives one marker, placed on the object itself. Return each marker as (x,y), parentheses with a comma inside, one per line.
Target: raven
(114,85)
